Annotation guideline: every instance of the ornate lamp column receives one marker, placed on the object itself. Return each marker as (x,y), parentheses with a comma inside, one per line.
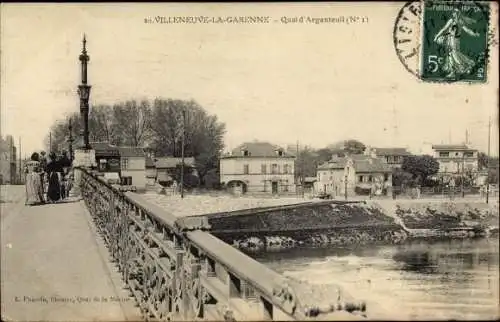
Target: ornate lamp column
(84,156)
(84,93)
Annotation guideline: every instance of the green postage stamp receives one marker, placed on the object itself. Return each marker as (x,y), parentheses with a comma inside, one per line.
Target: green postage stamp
(454,41)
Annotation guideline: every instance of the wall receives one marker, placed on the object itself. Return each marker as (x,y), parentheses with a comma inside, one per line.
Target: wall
(136,169)
(453,163)
(233,169)
(332,181)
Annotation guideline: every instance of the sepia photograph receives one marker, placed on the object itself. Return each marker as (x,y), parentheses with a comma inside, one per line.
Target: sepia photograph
(330,161)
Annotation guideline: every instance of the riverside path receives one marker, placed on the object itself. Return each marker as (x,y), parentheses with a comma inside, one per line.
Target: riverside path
(54,267)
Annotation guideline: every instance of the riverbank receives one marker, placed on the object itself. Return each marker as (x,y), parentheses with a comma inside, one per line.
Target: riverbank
(331,224)
(257,225)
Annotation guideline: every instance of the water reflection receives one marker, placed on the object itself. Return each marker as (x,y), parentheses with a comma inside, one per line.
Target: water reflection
(445,280)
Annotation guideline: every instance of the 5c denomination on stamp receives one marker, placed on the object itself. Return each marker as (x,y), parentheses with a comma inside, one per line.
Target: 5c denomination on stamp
(455,41)
(443,41)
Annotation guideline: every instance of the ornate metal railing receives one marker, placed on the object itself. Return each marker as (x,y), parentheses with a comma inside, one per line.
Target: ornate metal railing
(176,270)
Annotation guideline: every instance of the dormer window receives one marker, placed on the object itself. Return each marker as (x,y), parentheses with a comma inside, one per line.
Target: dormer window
(245,153)
(279,153)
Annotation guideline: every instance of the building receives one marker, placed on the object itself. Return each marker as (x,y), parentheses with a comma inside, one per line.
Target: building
(107,157)
(133,166)
(356,174)
(167,169)
(393,156)
(258,167)
(8,156)
(150,171)
(455,158)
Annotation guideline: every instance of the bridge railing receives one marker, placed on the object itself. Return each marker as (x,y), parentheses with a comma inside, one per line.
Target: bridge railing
(176,270)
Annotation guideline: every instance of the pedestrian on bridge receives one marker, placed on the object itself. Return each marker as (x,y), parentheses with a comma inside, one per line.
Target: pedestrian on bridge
(54,170)
(65,165)
(34,188)
(43,174)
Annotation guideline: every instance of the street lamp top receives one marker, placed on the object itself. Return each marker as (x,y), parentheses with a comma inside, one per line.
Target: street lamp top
(84,56)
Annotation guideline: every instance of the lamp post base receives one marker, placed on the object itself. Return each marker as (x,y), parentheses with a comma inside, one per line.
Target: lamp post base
(84,158)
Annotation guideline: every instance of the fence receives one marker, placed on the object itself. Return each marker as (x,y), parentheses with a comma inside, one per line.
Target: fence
(176,270)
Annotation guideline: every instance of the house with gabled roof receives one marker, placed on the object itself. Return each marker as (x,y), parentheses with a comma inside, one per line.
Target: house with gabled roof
(258,167)
(393,156)
(456,158)
(356,174)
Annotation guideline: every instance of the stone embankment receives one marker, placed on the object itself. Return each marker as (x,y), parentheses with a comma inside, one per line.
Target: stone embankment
(343,224)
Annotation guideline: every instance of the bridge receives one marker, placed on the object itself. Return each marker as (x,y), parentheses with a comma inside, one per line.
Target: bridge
(114,256)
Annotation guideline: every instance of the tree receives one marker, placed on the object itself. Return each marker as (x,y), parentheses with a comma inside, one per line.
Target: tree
(132,122)
(204,134)
(354,147)
(420,166)
(482,160)
(306,162)
(401,178)
(102,125)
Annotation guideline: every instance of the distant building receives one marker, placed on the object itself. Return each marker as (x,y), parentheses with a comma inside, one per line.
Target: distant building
(150,170)
(8,156)
(393,156)
(133,166)
(455,158)
(258,167)
(166,168)
(356,174)
(107,157)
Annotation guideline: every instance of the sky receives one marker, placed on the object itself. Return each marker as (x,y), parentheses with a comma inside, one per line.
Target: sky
(312,83)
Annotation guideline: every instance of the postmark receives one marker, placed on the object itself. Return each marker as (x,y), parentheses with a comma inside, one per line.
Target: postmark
(455,41)
(406,36)
(443,41)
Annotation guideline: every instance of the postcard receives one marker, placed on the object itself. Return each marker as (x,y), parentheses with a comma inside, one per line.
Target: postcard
(249,161)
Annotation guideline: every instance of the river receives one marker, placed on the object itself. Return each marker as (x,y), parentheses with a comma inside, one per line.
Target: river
(440,280)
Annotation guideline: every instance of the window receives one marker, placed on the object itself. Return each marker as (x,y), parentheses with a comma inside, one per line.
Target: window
(126,181)
(246,153)
(285,186)
(444,154)
(360,178)
(245,169)
(274,168)
(263,169)
(370,178)
(285,169)
(279,153)
(124,164)
(468,154)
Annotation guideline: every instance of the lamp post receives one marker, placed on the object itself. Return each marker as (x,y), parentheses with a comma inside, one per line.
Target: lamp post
(70,140)
(84,93)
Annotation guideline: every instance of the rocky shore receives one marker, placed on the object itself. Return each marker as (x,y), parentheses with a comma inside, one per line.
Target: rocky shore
(327,225)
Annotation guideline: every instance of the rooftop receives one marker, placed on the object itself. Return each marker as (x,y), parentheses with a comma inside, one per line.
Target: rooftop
(452,147)
(130,151)
(105,149)
(258,149)
(391,151)
(361,163)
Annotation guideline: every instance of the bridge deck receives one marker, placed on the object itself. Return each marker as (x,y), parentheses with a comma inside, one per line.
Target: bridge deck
(53,251)
(202,205)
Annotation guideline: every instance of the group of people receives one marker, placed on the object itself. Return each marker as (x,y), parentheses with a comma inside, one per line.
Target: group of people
(48,179)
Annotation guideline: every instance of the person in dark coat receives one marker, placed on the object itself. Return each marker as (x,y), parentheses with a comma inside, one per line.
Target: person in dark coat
(54,170)
(65,164)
